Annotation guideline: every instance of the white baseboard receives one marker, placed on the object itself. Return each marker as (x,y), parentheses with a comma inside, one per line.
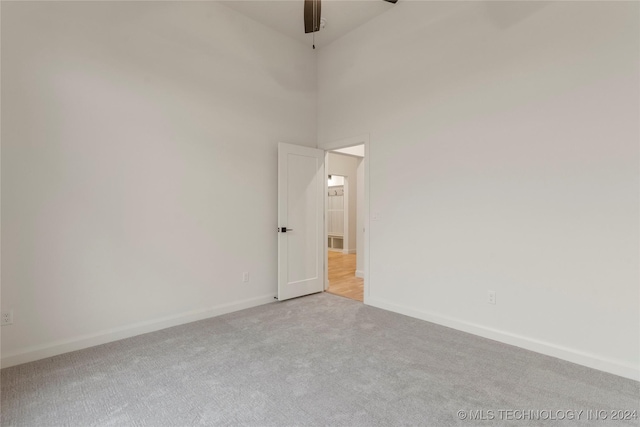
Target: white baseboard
(78,343)
(348,251)
(360,273)
(611,366)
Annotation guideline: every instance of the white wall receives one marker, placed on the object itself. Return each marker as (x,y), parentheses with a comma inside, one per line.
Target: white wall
(347,166)
(139,155)
(503,156)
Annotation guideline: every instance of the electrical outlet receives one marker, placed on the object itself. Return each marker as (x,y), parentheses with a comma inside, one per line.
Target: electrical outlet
(6,318)
(245,276)
(491,297)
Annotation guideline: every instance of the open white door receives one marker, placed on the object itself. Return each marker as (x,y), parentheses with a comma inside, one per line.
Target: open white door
(301,186)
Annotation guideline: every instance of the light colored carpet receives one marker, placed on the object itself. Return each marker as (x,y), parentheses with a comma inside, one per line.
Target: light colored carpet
(318,360)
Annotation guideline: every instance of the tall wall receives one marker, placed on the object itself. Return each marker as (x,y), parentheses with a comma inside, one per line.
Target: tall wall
(139,156)
(503,156)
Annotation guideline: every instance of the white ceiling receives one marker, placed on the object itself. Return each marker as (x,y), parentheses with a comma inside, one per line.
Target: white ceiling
(356,150)
(286,16)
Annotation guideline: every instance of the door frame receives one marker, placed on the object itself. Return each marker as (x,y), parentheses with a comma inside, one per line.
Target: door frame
(344,143)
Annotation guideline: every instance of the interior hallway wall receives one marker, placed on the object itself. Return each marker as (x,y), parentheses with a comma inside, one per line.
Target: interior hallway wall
(360,220)
(347,166)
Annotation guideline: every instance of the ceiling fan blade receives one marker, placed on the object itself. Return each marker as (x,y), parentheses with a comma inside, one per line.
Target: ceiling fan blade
(311,16)
(392,1)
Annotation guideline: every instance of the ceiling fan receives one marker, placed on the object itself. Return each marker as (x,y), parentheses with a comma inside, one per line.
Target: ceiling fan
(312,15)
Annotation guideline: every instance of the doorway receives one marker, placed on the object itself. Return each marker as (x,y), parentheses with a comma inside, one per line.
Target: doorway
(344,222)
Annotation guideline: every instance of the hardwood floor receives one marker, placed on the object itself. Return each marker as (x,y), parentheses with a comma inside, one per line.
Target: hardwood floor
(342,276)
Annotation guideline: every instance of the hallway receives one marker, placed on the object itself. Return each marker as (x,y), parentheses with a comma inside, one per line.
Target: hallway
(342,276)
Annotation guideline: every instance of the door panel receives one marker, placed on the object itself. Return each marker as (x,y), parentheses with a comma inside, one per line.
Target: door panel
(301,212)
